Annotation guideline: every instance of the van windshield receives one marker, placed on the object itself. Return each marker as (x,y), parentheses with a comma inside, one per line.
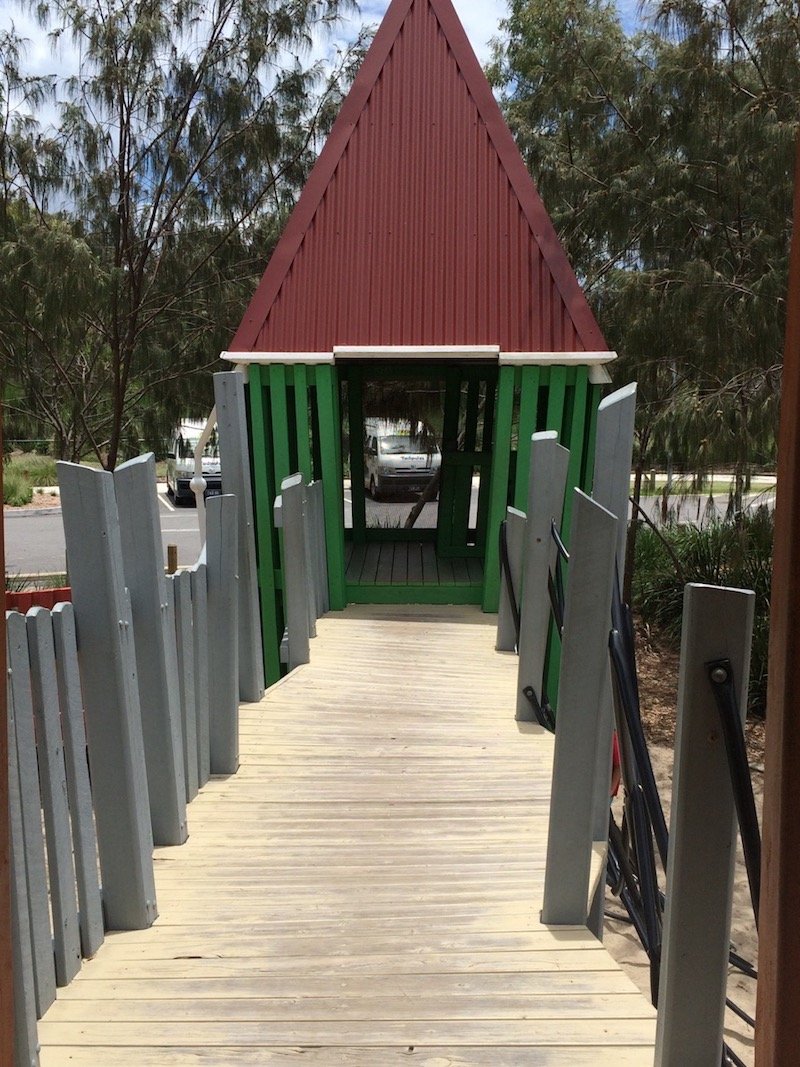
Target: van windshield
(187,445)
(395,445)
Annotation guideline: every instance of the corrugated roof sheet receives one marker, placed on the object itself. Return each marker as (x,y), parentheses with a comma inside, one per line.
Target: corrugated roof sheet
(419,224)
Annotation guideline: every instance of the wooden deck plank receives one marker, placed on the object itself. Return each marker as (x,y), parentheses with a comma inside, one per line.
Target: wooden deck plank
(400,564)
(430,569)
(367,888)
(383,575)
(354,562)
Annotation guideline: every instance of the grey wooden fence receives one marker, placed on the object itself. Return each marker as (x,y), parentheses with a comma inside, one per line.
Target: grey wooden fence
(717,627)
(300,517)
(126,681)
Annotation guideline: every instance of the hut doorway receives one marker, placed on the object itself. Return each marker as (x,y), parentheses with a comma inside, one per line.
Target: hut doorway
(416,515)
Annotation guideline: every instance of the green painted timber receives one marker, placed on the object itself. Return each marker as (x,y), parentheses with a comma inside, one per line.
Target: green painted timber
(414,594)
(280,423)
(264,496)
(590,443)
(498,500)
(355,407)
(530,380)
(327,382)
(447,489)
(300,376)
(574,424)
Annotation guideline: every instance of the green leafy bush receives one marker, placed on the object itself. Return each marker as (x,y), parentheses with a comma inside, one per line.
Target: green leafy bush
(17,489)
(737,554)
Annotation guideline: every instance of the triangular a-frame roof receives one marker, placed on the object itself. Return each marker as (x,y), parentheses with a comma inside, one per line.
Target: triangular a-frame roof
(419,224)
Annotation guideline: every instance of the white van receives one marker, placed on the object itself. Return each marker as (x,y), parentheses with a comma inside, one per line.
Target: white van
(180,463)
(398,457)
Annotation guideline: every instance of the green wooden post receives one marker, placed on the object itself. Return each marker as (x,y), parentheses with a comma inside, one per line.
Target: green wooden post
(501,459)
(263,493)
(280,422)
(330,449)
(450,471)
(595,395)
(528,406)
(575,442)
(301,420)
(355,404)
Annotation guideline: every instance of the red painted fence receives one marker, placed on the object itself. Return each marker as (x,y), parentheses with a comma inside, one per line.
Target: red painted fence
(37,598)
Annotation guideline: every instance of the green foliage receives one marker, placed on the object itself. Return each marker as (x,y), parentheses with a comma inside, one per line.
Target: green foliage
(17,490)
(182,143)
(666,161)
(22,473)
(720,553)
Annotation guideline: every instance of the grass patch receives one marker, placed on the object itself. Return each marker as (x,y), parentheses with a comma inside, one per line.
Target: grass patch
(22,472)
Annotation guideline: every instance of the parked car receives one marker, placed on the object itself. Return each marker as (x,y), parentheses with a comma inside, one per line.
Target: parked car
(180,463)
(399,457)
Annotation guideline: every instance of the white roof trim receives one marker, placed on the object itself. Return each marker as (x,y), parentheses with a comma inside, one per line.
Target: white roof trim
(277,357)
(416,351)
(563,359)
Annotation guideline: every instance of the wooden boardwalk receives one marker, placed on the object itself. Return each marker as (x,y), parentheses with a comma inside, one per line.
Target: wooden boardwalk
(366,889)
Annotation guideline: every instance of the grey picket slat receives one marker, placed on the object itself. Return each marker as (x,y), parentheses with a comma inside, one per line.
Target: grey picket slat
(515,540)
(90,907)
(223,655)
(311,570)
(584,665)
(289,515)
(234,454)
(31,804)
(107,658)
(546,484)
(717,624)
(25,1036)
(611,485)
(181,593)
(156,662)
(53,779)
(199,580)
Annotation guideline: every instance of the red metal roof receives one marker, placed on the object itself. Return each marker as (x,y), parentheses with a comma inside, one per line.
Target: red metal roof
(419,224)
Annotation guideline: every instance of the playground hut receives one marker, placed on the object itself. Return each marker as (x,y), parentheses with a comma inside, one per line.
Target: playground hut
(419,293)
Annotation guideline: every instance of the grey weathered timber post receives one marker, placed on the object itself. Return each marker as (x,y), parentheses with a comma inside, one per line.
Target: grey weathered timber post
(222,543)
(584,655)
(21,704)
(156,668)
(316,498)
(199,587)
(546,484)
(234,456)
(180,587)
(84,842)
(515,539)
(53,779)
(289,517)
(26,1045)
(611,486)
(717,625)
(107,659)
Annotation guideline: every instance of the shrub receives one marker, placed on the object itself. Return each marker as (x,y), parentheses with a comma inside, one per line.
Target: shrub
(737,554)
(16,489)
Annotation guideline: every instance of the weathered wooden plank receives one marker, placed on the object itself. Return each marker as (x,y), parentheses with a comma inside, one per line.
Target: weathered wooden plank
(223,655)
(24,984)
(234,452)
(180,590)
(111,697)
(21,703)
(53,780)
(142,561)
(289,516)
(79,791)
(200,640)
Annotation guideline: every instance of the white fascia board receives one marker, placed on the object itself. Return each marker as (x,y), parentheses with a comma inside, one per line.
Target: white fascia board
(285,358)
(563,359)
(426,352)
